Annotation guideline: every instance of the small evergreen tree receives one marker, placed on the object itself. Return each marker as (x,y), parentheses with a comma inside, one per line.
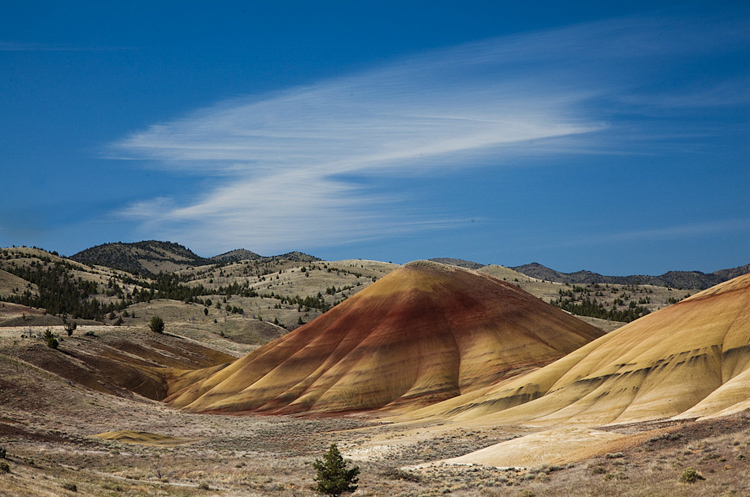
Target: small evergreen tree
(50,338)
(157,324)
(333,478)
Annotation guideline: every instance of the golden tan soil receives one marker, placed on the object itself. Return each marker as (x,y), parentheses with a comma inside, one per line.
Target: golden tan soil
(687,361)
(423,333)
(47,422)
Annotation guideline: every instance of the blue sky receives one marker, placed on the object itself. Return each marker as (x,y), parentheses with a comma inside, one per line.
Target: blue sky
(579,135)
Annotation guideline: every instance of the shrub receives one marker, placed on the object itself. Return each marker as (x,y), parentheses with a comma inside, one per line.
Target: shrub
(691,475)
(333,478)
(615,476)
(70,328)
(4,467)
(70,486)
(3,453)
(50,338)
(398,474)
(157,324)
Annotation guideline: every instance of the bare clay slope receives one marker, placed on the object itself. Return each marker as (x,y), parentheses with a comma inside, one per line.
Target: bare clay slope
(689,360)
(424,333)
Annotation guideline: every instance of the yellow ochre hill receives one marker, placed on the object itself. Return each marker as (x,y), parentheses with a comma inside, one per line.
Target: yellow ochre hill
(422,334)
(689,360)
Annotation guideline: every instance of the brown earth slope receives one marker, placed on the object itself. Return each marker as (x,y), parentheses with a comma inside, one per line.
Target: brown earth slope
(118,361)
(689,360)
(424,333)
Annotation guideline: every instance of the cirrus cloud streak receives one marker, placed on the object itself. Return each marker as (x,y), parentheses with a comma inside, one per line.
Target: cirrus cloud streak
(299,167)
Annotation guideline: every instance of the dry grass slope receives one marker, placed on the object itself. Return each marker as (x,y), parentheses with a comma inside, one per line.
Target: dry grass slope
(48,421)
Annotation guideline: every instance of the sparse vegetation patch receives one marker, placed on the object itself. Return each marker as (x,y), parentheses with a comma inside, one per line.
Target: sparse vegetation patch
(691,475)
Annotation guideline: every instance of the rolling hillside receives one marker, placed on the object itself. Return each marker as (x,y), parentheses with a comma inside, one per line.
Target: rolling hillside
(153,257)
(424,333)
(689,360)
(147,257)
(616,416)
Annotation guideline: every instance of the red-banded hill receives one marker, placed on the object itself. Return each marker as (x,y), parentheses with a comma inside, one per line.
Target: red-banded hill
(424,333)
(689,360)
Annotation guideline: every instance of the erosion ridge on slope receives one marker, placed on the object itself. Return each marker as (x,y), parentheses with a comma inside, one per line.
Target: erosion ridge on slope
(688,360)
(424,333)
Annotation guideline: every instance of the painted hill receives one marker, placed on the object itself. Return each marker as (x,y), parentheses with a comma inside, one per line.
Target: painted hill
(689,360)
(674,279)
(424,333)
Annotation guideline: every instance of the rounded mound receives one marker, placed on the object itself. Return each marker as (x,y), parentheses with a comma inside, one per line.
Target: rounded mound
(424,333)
(689,360)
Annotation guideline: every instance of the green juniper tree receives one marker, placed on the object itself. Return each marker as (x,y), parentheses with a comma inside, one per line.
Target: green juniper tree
(333,478)
(157,324)
(50,338)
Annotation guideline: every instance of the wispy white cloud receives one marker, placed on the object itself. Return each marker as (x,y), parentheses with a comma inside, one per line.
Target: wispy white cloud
(285,162)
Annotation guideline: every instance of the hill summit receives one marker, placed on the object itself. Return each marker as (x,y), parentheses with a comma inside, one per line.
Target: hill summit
(424,333)
(146,257)
(152,257)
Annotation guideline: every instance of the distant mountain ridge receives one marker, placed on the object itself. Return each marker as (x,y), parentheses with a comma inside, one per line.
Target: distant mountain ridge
(675,279)
(295,256)
(236,256)
(153,256)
